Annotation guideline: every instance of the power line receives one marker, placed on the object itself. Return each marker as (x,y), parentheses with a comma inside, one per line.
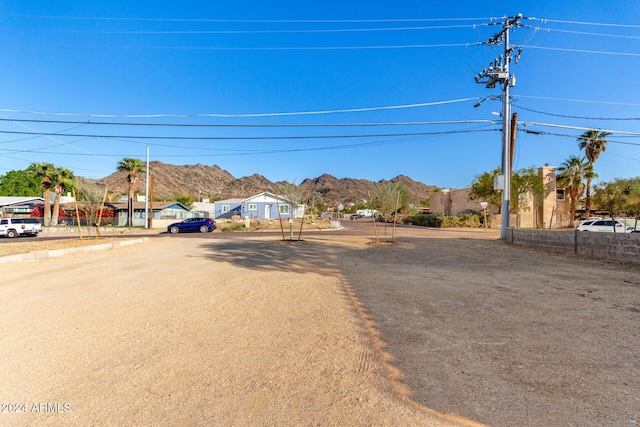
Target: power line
(576,100)
(597,52)
(585,33)
(231,138)
(575,117)
(572,137)
(620,132)
(270,21)
(276,114)
(290,48)
(249,125)
(215,32)
(238,152)
(588,23)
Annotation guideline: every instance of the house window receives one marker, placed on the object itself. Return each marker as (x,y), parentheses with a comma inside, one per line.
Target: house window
(225,208)
(284,209)
(253,207)
(560,194)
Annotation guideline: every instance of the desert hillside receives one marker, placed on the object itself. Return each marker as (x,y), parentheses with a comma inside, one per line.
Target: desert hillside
(212,182)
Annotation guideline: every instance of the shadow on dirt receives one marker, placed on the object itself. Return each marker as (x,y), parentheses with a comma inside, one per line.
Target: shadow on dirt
(500,334)
(292,256)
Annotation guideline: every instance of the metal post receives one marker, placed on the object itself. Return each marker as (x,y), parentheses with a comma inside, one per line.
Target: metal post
(146,195)
(506,143)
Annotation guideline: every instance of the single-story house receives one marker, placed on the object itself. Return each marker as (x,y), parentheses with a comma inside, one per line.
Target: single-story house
(269,206)
(225,208)
(13,205)
(160,210)
(260,206)
(548,211)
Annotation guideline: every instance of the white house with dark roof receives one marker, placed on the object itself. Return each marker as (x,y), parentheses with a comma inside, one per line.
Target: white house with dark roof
(19,205)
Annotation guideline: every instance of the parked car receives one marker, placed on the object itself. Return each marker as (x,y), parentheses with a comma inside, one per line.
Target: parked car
(14,227)
(605,225)
(356,216)
(202,225)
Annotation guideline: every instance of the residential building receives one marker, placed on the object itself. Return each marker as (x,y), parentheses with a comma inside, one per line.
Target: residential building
(19,206)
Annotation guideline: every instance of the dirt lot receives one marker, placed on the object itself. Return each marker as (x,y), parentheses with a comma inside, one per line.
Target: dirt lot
(328,331)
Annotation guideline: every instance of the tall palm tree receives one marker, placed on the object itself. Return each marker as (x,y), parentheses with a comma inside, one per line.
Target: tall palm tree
(593,143)
(572,173)
(131,166)
(64,180)
(43,171)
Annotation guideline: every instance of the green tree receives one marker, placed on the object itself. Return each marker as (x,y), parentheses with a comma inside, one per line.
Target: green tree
(43,172)
(593,143)
(482,189)
(65,180)
(131,166)
(392,198)
(572,173)
(186,199)
(619,196)
(525,181)
(20,183)
(90,195)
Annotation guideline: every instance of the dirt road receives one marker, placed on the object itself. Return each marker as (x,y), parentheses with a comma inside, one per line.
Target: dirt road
(172,333)
(329,331)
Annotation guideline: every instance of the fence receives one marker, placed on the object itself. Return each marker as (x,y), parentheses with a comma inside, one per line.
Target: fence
(622,247)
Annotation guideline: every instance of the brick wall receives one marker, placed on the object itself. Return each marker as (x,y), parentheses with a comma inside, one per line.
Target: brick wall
(624,247)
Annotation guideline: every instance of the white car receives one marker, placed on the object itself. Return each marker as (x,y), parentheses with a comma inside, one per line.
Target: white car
(605,225)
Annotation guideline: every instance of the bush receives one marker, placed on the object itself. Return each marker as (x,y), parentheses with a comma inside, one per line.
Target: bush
(445,221)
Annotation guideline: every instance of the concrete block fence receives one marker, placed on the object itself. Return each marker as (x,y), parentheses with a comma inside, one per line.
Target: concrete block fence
(622,247)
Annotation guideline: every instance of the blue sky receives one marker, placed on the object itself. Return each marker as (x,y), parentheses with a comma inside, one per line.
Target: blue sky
(250,65)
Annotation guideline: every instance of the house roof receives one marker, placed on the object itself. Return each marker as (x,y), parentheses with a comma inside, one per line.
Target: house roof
(268,194)
(19,200)
(229,201)
(156,205)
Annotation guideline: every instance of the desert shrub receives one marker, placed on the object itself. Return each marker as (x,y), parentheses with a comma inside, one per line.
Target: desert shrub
(444,221)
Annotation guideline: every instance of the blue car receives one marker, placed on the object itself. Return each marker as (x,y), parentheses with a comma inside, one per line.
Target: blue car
(202,225)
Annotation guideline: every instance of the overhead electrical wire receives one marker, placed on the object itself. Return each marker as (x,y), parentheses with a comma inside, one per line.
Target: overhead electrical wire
(281,48)
(585,33)
(262,21)
(274,114)
(212,32)
(574,100)
(232,138)
(597,52)
(554,125)
(517,106)
(250,125)
(601,24)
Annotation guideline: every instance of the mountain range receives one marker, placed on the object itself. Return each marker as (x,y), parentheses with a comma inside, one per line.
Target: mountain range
(212,182)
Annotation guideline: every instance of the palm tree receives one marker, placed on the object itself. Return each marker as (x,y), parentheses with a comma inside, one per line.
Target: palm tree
(593,143)
(131,166)
(43,171)
(572,173)
(64,180)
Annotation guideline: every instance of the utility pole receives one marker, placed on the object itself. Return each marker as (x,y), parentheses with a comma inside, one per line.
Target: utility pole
(498,72)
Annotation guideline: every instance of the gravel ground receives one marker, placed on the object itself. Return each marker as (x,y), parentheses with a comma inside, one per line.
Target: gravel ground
(440,328)
(506,335)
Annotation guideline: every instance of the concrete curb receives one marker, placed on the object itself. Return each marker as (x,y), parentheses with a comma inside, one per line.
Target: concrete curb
(54,253)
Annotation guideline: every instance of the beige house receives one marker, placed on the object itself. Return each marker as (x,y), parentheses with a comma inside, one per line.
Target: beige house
(549,211)
(453,202)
